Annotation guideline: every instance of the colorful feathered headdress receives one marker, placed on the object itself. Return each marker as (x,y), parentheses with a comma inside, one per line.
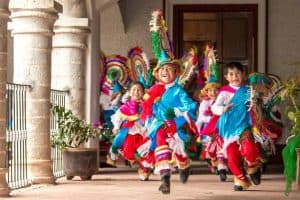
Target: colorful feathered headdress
(116,69)
(189,63)
(160,36)
(210,65)
(138,64)
(211,69)
(163,49)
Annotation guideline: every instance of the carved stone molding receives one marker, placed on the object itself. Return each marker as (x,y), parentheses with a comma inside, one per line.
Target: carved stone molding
(71,32)
(28,21)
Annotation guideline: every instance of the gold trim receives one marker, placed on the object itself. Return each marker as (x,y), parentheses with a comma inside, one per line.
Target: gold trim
(244,184)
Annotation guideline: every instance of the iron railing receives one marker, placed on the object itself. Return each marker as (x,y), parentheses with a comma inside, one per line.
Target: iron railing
(16,136)
(57,98)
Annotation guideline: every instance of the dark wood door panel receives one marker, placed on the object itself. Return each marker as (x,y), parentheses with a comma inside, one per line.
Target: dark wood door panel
(234,38)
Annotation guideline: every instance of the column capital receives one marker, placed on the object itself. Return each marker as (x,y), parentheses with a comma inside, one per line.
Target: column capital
(4,16)
(71,32)
(4,13)
(72,24)
(30,16)
(47,5)
(4,9)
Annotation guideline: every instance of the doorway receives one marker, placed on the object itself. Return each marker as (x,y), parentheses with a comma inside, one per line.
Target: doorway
(231,29)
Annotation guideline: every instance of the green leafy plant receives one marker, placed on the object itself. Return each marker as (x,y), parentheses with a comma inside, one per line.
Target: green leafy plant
(72,131)
(289,92)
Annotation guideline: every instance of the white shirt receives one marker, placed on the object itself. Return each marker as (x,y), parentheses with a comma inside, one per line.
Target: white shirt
(222,100)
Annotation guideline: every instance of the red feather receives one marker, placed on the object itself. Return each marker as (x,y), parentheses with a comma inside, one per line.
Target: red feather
(154,93)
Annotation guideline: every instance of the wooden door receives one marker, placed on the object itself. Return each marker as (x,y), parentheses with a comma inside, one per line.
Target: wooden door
(232,29)
(235,38)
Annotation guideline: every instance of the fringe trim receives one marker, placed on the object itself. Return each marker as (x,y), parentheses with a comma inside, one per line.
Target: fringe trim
(184,165)
(143,175)
(162,165)
(245,184)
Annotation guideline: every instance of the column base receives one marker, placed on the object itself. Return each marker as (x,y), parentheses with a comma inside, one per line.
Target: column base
(4,189)
(43,180)
(41,172)
(4,192)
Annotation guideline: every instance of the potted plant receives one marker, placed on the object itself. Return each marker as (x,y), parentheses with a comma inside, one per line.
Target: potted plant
(72,133)
(289,92)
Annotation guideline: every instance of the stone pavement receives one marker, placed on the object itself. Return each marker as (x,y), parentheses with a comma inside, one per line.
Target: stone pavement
(124,185)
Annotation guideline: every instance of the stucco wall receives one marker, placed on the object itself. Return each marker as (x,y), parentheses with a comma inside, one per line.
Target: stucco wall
(284,45)
(127,25)
(284,38)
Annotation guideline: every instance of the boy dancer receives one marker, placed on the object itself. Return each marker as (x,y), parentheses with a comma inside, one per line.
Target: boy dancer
(166,109)
(235,126)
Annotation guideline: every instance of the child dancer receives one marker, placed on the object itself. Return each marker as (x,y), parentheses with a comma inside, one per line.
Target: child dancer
(235,126)
(167,108)
(130,134)
(209,136)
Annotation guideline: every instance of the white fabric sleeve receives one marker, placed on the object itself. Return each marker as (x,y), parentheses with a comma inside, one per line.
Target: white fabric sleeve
(204,105)
(218,107)
(116,120)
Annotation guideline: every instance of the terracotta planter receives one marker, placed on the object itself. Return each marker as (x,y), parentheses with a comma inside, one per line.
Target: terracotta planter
(80,162)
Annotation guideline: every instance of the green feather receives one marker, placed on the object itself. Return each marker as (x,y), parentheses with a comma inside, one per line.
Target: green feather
(215,71)
(113,74)
(156,44)
(150,77)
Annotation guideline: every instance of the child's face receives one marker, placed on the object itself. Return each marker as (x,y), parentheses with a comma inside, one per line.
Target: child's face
(235,77)
(136,92)
(212,93)
(167,73)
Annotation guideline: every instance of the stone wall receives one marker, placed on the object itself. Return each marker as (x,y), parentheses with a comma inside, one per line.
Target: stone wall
(284,44)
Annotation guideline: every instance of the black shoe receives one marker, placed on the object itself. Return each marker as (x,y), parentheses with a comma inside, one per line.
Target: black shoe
(222,174)
(237,188)
(255,178)
(184,174)
(165,184)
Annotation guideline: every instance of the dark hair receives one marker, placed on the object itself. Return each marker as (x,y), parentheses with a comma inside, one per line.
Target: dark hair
(137,83)
(234,65)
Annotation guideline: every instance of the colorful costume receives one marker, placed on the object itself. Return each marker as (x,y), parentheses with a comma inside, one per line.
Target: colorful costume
(210,138)
(167,109)
(130,137)
(267,124)
(168,135)
(207,120)
(235,128)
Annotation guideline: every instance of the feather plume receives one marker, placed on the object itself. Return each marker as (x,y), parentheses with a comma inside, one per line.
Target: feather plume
(138,63)
(159,34)
(189,63)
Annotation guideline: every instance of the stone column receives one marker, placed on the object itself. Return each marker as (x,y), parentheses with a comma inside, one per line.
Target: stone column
(4,189)
(32,29)
(69,60)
